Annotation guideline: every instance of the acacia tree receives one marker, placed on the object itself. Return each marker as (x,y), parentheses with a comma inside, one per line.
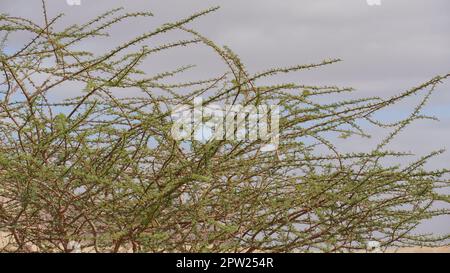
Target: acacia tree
(104,171)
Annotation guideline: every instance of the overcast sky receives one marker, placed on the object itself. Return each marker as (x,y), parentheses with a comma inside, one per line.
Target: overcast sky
(386,49)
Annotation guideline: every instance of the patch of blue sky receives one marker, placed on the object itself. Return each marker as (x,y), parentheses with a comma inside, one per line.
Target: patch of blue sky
(440,111)
(152,143)
(8,50)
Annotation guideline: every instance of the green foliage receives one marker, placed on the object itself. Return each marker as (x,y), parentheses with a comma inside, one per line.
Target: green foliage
(104,170)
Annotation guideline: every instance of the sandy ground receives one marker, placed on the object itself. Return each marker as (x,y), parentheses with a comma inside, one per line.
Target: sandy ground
(422,250)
